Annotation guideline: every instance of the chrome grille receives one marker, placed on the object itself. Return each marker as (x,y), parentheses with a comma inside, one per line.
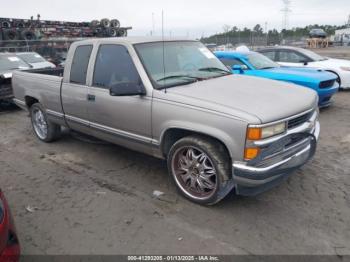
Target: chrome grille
(299,120)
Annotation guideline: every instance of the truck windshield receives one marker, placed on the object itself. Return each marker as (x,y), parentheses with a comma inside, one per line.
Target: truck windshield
(11,63)
(259,61)
(184,62)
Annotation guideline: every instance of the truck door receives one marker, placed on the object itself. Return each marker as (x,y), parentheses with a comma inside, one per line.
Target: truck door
(125,120)
(75,90)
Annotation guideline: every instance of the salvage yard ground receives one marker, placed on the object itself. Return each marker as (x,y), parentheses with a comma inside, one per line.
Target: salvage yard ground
(86,197)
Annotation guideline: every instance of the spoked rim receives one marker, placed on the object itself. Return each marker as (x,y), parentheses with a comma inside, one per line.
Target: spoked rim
(39,123)
(194,172)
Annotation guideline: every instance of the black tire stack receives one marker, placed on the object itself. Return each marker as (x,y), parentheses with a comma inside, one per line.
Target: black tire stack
(31,29)
(108,28)
(16,30)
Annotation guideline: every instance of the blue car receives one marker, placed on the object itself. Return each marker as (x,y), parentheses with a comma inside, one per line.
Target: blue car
(255,64)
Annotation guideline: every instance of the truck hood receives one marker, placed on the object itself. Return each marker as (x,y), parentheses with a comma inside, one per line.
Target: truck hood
(255,100)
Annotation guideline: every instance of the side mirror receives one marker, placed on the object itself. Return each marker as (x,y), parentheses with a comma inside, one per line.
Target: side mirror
(304,62)
(127,89)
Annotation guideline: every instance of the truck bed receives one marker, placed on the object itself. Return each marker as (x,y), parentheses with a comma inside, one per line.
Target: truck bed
(42,84)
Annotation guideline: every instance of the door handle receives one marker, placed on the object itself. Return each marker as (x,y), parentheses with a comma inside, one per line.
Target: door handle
(91,98)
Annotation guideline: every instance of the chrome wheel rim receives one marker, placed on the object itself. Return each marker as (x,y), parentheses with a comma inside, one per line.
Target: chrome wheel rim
(39,123)
(194,172)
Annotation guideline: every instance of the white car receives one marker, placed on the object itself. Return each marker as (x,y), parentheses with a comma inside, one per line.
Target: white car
(35,60)
(299,57)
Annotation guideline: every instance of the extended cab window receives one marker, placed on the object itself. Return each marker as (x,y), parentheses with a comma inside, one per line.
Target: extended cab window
(80,64)
(114,66)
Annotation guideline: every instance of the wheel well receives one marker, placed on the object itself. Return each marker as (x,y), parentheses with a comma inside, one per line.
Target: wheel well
(30,101)
(171,136)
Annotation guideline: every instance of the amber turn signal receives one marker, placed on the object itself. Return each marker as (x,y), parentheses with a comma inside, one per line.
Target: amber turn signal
(253,133)
(251,153)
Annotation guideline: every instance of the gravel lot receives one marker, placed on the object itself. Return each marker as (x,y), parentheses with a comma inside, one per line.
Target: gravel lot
(96,198)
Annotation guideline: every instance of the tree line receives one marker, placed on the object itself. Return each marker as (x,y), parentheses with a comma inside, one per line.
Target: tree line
(235,32)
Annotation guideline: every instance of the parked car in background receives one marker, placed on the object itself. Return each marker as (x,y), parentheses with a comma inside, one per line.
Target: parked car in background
(217,131)
(9,244)
(317,33)
(255,64)
(299,57)
(8,63)
(35,60)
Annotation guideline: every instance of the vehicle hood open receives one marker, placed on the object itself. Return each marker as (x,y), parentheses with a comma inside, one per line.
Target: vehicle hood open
(263,99)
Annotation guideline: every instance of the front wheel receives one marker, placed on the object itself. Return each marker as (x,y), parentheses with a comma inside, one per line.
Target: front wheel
(44,129)
(200,167)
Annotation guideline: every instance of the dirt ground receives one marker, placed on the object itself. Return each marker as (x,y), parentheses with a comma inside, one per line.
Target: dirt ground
(78,197)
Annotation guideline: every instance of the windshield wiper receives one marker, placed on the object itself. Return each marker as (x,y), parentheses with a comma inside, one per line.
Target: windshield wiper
(214,69)
(179,76)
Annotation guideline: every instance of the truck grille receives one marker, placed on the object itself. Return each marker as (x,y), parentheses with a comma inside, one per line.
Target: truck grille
(327,84)
(5,91)
(5,88)
(299,120)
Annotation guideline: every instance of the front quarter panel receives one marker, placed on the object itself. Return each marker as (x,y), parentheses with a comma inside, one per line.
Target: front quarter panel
(168,115)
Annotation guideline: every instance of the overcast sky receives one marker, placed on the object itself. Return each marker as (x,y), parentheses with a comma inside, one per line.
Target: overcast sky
(183,17)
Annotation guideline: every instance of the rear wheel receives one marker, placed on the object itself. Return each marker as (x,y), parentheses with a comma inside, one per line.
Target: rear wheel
(44,129)
(200,167)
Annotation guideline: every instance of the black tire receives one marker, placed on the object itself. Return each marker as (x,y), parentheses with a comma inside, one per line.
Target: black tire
(94,23)
(105,23)
(218,158)
(115,23)
(10,34)
(28,35)
(53,130)
(122,32)
(112,32)
(6,24)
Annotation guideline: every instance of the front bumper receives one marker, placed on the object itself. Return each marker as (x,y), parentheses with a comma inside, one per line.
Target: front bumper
(326,94)
(254,179)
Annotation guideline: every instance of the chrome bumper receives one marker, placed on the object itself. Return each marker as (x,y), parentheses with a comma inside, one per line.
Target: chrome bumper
(257,178)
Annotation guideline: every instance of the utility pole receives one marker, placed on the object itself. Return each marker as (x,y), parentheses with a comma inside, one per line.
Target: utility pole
(286,11)
(153,25)
(267,33)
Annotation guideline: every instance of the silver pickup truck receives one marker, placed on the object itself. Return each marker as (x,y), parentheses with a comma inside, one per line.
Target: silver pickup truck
(175,100)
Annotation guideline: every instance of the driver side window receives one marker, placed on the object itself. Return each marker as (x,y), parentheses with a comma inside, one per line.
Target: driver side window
(114,66)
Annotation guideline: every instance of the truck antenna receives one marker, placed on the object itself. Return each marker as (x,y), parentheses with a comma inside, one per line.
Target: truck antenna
(164,71)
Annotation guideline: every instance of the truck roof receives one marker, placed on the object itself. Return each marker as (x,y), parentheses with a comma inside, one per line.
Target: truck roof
(133,40)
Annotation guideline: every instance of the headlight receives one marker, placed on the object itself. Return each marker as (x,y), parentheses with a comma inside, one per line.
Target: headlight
(345,68)
(257,133)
